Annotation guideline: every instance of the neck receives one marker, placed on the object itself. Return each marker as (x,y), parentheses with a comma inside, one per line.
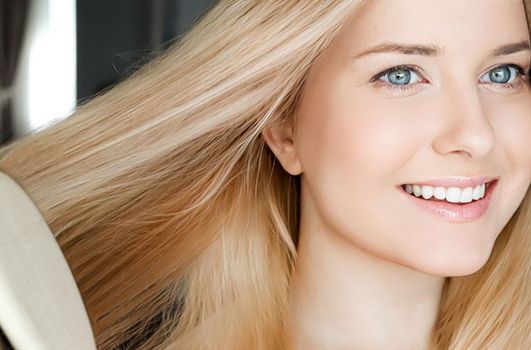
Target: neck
(344,298)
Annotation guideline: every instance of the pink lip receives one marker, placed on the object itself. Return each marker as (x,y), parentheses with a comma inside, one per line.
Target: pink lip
(454,212)
(456,181)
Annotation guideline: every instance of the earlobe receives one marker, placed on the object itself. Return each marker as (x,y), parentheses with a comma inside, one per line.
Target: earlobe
(282,145)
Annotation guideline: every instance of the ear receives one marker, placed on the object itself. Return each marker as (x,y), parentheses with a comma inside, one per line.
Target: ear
(280,140)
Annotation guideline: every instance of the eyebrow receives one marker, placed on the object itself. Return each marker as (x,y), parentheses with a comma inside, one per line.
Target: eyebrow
(434,50)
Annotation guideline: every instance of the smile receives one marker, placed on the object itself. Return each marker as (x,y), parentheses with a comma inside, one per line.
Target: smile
(452,204)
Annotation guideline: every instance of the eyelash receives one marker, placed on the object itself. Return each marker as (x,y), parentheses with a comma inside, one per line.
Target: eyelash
(521,77)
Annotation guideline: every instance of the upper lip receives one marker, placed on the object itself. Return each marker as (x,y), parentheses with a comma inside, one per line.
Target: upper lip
(456,181)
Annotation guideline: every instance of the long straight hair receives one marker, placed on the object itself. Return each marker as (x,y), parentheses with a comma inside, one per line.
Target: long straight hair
(178,223)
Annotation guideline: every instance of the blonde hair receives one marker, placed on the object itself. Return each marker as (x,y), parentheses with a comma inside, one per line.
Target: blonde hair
(177,221)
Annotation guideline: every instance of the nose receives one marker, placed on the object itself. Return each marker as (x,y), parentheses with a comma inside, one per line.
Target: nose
(467,131)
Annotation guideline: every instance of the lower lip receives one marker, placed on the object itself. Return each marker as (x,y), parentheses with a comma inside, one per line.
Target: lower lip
(451,212)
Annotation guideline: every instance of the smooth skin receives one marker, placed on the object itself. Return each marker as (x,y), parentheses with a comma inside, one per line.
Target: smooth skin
(371,264)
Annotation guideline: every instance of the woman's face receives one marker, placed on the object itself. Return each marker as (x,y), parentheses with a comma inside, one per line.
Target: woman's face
(462,111)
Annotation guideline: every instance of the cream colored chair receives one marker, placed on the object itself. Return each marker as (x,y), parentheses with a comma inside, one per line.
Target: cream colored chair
(40,305)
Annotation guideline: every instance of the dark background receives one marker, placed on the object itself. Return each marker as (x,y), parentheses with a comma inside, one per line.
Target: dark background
(115,36)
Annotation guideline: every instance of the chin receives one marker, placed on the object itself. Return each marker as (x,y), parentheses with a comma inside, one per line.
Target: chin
(452,265)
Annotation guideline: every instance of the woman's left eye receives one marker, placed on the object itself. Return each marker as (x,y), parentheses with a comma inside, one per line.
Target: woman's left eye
(505,74)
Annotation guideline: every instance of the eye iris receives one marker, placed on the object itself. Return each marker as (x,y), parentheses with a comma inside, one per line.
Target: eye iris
(500,75)
(400,76)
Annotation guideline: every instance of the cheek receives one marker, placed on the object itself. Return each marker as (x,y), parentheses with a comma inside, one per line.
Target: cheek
(357,141)
(352,154)
(377,141)
(512,123)
(513,126)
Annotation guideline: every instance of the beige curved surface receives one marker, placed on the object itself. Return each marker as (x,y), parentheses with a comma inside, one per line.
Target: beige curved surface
(40,304)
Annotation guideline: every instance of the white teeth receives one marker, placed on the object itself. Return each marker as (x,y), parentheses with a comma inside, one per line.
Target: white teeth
(427,192)
(479,192)
(416,190)
(453,194)
(450,194)
(439,193)
(466,195)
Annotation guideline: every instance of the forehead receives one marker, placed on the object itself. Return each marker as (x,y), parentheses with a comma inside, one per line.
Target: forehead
(455,25)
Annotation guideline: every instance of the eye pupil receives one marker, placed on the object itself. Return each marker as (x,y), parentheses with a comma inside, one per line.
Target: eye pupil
(400,76)
(500,75)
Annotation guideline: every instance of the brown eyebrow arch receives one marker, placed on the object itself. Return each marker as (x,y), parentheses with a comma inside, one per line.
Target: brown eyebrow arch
(434,50)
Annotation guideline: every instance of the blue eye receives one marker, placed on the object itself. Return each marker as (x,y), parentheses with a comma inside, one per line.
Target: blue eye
(401,78)
(505,74)
(401,75)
